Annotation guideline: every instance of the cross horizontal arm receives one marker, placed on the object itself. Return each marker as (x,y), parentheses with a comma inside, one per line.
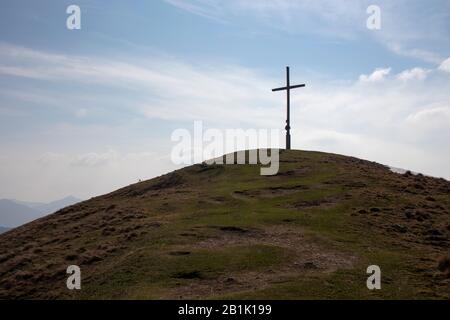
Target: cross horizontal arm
(290,87)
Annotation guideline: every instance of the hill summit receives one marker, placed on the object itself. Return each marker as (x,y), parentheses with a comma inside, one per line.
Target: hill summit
(225,231)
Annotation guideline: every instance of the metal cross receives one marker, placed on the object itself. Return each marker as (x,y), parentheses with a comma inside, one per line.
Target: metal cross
(288,95)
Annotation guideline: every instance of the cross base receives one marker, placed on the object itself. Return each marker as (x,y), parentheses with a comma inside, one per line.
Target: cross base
(288,141)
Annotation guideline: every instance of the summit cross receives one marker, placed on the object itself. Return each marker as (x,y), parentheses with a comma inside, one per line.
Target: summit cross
(288,95)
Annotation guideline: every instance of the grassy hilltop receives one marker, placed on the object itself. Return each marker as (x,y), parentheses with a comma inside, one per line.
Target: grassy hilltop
(225,231)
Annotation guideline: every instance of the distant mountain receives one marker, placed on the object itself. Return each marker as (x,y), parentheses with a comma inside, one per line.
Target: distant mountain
(3,229)
(51,207)
(14,213)
(28,204)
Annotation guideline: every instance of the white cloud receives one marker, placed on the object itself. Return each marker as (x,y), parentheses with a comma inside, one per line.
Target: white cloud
(413,74)
(445,65)
(204,8)
(392,122)
(376,76)
(404,29)
(420,54)
(222,93)
(325,17)
(94,159)
(436,118)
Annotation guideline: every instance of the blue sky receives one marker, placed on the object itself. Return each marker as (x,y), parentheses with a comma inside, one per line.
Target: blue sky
(86,111)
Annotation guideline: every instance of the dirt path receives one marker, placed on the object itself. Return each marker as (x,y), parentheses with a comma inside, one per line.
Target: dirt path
(306,255)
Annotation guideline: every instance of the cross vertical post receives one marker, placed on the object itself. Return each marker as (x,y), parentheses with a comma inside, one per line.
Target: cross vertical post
(288,106)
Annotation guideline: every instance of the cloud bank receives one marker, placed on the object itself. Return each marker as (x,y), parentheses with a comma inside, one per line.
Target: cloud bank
(396,117)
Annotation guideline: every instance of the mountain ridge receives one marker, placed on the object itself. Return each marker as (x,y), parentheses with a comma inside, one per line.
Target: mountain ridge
(14,212)
(3,229)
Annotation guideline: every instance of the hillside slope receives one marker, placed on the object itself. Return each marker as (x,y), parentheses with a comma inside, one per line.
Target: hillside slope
(224,231)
